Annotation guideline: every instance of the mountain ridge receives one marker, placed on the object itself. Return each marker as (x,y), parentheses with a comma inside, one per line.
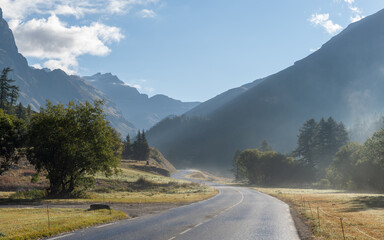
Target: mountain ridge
(139,108)
(342,79)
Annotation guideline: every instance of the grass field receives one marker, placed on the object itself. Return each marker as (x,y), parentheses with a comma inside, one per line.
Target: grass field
(32,223)
(362,214)
(129,186)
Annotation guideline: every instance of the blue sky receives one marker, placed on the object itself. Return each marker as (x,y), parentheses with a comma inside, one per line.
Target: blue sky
(190,50)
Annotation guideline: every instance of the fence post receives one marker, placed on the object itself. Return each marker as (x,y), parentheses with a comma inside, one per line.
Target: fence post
(318,217)
(49,224)
(309,205)
(342,227)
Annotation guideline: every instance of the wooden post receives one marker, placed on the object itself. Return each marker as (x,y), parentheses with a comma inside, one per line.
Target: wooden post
(318,217)
(342,227)
(49,224)
(309,205)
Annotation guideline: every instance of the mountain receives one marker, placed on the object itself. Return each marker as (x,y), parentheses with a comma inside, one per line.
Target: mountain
(141,110)
(38,85)
(343,79)
(220,100)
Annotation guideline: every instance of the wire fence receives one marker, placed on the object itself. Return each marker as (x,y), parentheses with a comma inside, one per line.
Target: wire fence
(343,221)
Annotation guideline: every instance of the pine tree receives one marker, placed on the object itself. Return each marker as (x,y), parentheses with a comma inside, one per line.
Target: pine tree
(127,148)
(144,147)
(265,147)
(8,92)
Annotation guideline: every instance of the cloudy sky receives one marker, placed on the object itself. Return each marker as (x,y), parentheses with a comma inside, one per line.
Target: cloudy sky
(187,49)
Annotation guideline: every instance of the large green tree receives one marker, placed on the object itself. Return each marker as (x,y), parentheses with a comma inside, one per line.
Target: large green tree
(72,143)
(318,143)
(12,136)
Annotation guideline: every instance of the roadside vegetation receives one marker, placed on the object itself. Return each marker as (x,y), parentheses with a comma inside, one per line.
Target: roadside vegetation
(36,223)
(330,212)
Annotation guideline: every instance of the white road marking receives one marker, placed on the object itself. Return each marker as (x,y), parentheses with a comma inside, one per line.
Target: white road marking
(189,229)
(105,225)
(215,216)
(58,237)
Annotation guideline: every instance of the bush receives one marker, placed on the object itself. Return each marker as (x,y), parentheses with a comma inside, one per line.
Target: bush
(30,195)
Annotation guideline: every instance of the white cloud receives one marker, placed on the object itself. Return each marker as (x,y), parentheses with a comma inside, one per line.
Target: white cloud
(349,1)
(324,21)
(37,66)
(147,13)
(20,9)
(60,45)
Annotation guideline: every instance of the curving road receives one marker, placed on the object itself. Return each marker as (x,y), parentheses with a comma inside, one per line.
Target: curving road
(235,213)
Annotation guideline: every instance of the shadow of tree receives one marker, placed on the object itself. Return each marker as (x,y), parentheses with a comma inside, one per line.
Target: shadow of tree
(366,203)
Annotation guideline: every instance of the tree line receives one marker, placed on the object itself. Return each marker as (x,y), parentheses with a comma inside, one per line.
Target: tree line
(69,143)
(138,150)
(324,157)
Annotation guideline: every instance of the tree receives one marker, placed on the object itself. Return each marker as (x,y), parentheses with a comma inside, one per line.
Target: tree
(235,167)
(8,92)
(144,147)
(319,142)
(72,144)
(141,147)
(127,148)
(265,147)
(342,170)
(12,136)
(305,143)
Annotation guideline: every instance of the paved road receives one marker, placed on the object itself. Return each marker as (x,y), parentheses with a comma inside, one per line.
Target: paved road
(235,213)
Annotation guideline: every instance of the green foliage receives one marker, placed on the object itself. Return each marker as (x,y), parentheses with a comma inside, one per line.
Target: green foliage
(30,195)
(8,92)
(359,167)
(72,144)
(127,148)
(266,168)
(140,147)
(318,144)
(12,137)
(343,167)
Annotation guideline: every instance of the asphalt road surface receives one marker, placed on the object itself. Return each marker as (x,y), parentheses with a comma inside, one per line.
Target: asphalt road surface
(235,214)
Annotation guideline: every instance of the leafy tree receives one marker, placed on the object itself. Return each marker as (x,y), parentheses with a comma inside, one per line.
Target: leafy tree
(342,170)
(12,136)
(235,168)
(72,144)
(370,166)
(266,168)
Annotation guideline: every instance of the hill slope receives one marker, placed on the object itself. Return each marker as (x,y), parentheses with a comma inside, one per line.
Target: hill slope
(344,79)
(37,85)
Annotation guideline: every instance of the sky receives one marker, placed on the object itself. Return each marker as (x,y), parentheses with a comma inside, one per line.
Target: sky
(191,50)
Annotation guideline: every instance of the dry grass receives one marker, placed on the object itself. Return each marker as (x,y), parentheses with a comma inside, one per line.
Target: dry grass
(32,223)
(363,214)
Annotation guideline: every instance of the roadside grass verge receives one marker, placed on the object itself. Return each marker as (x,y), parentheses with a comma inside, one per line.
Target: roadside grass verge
(32,223)
(362,214)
